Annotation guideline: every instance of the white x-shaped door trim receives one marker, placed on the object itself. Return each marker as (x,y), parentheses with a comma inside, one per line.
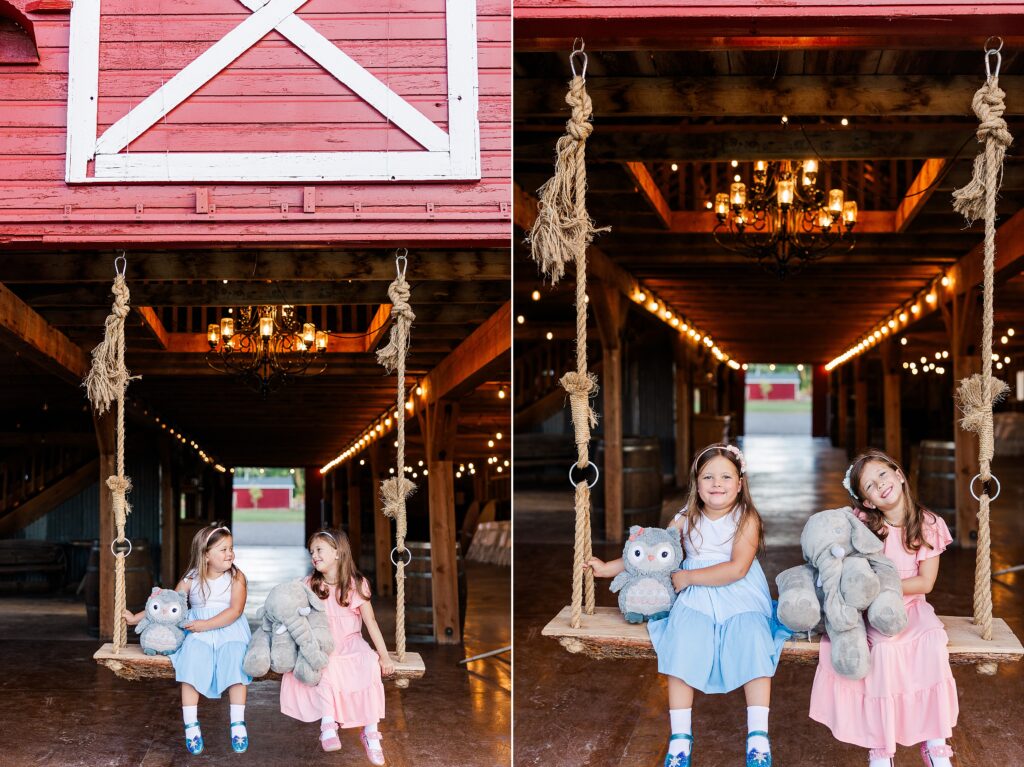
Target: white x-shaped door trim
(446,156)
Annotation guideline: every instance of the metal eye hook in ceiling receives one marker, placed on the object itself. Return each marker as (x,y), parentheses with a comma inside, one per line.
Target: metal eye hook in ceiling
(577,50)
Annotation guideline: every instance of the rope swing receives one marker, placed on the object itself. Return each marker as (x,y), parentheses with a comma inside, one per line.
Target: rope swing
(105,384)
(977,394)
(561,233)
(396,489)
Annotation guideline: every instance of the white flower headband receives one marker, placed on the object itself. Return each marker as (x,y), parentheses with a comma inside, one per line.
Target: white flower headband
(847,485)
(729,448)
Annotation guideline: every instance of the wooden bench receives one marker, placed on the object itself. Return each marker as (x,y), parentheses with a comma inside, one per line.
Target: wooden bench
(606,635)
(133,664)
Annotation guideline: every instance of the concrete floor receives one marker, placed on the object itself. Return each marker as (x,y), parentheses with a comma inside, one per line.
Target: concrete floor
(571,711)
(57,707)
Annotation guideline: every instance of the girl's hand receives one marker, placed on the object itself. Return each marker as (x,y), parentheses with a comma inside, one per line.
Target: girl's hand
(681,580)
(600,567)
(129,617)
(195,626)
(387,666)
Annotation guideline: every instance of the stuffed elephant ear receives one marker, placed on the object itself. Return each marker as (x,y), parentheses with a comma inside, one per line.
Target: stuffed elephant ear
(864,541)
(314,601)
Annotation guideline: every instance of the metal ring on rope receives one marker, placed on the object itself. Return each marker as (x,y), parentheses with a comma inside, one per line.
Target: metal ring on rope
(120,265)
(572,58)
(121,547)
(999,488)
(406,563)
(597,475)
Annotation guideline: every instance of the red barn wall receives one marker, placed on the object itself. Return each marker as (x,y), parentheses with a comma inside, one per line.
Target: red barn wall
(272,498)
(273,97)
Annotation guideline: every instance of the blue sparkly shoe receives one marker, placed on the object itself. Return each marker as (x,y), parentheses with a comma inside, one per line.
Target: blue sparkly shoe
(239,743)
(757,758)
(679,760)
(194,744)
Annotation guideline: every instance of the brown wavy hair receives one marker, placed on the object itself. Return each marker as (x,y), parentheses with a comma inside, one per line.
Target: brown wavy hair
(346,573)
(204,540)
(914,514)
(695,506)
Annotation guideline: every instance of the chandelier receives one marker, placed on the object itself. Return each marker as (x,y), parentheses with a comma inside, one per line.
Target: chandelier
(781,223)
(266,347)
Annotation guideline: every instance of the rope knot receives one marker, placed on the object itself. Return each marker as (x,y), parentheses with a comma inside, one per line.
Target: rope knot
(122,297)
(988,106)
(975,401)
(403,316)
(393,492)
(119,485)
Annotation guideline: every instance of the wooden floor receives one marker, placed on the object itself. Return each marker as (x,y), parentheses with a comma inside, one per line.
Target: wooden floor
(572,711)
(58,707)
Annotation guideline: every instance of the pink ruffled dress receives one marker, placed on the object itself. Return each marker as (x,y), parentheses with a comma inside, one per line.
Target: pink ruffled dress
(350,689)
(909,695)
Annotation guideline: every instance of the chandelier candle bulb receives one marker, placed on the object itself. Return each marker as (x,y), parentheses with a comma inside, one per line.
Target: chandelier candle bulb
(227,327)
(212,335)
(811,169)
(785,190)
(721,205)
(849,213)
(308,334)
(266,327)
(738,195)
(835,201)
(321,340)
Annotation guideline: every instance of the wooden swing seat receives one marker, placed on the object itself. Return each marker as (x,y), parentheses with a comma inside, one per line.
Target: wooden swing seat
(606,635)
(133,664)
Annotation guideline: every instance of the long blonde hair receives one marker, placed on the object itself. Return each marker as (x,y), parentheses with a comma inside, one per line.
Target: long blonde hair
(346,571)
(914,514)
(204,540)
(695,505)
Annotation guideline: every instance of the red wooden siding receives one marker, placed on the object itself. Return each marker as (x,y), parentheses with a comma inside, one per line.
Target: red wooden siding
(775,391)
(272,98)
(272,498)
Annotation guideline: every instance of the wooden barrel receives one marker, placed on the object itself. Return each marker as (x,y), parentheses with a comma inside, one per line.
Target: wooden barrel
(419,592)
(138,582)
(641,481)
(936,478)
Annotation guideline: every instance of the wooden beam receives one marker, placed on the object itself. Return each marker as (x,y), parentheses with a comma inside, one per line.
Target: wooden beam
(379,325)
(485,351)
(819,401)
(963,328)
(314,500)
(741,96)
(891,378)
(152,323)
(337,500)
(439,424)
(27,332)
(690,143)
(355,510)
(843,415)
(648,187)
(381,526)
(316,264)
(683,409)
(168,516)
(43,503)
(860,404)
(920,192)
(106,426)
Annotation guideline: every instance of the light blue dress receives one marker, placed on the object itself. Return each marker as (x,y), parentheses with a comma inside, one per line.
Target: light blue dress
(211,661)
(718,638)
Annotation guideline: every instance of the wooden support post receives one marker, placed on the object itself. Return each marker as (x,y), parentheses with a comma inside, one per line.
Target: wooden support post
(891,377)
(314,500)
(106,440)
(819,401)
(355,511)
(738,395)
(962,326)
(337,500)
(860,402)
(610,313)
(168,518)
(842,376)
(683,408)
(381,527)
(438,425)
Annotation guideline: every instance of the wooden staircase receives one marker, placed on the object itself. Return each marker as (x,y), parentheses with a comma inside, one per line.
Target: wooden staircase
(536,373)
(42,473)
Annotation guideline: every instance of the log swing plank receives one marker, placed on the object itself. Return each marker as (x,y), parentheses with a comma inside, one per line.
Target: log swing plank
(606,635)
(133,664)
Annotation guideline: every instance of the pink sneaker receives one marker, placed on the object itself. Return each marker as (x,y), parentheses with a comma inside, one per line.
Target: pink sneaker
(329,740)
(374,753)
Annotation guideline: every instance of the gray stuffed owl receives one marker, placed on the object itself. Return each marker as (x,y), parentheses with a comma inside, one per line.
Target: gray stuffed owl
(160,630)
(645,589)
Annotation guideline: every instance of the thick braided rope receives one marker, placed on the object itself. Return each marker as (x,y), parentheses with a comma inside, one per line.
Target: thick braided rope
(105,384)
(561,233)
(977,394)
(395,490)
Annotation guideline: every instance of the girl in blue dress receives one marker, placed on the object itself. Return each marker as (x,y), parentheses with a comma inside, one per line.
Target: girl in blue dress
(721,633)
(209,661)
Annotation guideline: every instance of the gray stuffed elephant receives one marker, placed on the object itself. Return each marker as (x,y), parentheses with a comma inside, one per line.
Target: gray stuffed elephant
(294,634)
(846,574)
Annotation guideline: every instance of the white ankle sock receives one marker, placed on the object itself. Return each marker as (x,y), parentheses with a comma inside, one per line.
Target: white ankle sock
(680,721)
(939,761)
(370,728)
(190,715)
(757,720)
(878,761)
(238,715)
(328,728)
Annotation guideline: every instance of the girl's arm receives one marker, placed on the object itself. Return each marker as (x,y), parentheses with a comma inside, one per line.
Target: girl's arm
(610,569)
(228,616)
(132,618)
(924,581)
(744,549)
(387,666)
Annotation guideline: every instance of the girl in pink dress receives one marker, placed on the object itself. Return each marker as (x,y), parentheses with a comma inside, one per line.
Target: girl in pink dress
(909,696)
(350,692)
